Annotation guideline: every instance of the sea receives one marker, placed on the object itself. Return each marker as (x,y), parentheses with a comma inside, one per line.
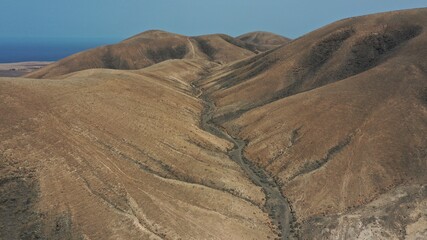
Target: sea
(26,50)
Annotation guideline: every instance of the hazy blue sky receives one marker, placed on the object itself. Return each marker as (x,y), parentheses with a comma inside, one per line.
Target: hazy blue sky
(118,19)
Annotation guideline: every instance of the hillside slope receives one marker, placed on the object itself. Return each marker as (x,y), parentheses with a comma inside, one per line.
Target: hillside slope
(338,117)
(324,137)
(149,48)
(330,54)
(111,154)
(263,41)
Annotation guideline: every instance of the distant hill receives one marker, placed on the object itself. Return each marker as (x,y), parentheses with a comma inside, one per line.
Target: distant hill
(263,41)
(149,48)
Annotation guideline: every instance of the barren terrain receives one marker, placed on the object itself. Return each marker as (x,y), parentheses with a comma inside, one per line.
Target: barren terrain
(263,41)
(165,136)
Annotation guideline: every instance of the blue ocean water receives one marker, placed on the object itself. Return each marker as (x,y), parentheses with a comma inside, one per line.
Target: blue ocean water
(44,50)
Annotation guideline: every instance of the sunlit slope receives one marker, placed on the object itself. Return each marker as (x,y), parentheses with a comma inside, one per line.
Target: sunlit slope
(338,118)
(332,53)
(264,41)
(108,154)
(149,48)
(351,131)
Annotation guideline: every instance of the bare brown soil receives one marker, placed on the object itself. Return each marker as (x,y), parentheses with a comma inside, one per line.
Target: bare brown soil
(275,204)
(149,48)
(204,137)
(263,41)
(336,116)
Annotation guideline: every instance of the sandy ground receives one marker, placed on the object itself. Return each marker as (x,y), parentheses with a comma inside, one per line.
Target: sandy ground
(20,68)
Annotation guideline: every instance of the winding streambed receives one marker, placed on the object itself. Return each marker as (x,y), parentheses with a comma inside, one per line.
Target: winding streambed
(276,205)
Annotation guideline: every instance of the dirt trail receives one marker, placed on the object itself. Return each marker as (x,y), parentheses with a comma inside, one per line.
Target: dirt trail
(193,52)
(276,205)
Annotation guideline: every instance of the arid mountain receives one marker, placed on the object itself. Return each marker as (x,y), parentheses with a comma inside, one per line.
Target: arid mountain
(324,137)
(149,48)
(110,154)
(330,54)
(339,118)
(264,41)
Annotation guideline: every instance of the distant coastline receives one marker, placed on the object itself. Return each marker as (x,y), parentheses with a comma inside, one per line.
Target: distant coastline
(20,68)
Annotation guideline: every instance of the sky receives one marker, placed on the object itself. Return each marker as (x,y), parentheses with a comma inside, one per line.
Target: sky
(113,20)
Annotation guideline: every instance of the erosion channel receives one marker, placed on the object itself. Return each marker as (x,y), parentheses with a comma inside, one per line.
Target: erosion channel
(276,205)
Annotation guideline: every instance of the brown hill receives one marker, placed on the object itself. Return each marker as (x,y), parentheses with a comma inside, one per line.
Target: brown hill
(263,41)
(111,154)
(149,48)
(325,136)
(330,54)
(338,117)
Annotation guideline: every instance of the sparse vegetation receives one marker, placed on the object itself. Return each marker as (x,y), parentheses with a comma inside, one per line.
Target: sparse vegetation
(164,136)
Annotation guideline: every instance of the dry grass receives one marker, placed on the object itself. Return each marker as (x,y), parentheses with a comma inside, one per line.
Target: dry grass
(337,117)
